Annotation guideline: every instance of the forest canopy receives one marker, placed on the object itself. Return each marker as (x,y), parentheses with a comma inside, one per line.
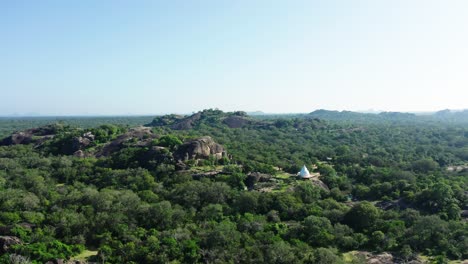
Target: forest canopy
(216,187)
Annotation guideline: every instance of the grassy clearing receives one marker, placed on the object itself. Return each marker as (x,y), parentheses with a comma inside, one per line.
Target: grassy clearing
(85,254)
(206,168)
(283,175)
(349,256)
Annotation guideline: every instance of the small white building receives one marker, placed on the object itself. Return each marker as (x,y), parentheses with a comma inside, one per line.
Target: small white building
(304,173)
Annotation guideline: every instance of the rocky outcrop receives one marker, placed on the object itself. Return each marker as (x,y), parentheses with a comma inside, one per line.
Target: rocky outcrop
(23,137)
(33,135)
(80,143)
(236,121)
(201,148)
(7,241)
(176,122)
(386,258)
(165,120)
(139,136)
(320,184)
(208,117)
(187,123)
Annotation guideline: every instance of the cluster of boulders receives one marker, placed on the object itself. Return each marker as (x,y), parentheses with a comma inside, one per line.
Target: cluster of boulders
(196,149)
(80,143)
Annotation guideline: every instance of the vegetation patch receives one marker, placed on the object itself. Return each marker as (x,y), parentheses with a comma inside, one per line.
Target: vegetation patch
(218,187)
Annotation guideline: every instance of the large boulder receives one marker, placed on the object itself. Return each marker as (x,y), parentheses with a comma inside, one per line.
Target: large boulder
(200,148)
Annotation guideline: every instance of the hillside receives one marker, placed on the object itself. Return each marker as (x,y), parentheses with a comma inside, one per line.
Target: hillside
(217,187)
(208,117)
(445,116)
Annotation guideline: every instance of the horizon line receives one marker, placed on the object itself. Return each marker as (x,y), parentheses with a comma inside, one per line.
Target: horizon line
(257,112)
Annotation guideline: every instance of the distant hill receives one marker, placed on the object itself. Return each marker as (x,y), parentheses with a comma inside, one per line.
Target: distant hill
(397,115)
(239,119)
(452,115)
(352,116)
(256,113)
(444,115)
(339,115)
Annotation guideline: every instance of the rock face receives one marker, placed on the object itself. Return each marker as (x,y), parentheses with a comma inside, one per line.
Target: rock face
(187,123)
(201,148)
(7,241)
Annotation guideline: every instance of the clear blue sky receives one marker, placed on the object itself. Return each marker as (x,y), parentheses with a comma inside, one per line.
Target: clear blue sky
(148,57)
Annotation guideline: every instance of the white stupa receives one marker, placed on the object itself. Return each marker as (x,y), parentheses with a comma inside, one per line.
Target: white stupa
(304,173)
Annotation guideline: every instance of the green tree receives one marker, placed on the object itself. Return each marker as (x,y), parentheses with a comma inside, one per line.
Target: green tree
(362,216)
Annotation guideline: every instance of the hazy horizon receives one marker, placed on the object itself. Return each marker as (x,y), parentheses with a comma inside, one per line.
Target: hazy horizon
(104,58)
(369,111)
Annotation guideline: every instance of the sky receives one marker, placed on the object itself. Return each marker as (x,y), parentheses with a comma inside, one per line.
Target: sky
(113,57)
